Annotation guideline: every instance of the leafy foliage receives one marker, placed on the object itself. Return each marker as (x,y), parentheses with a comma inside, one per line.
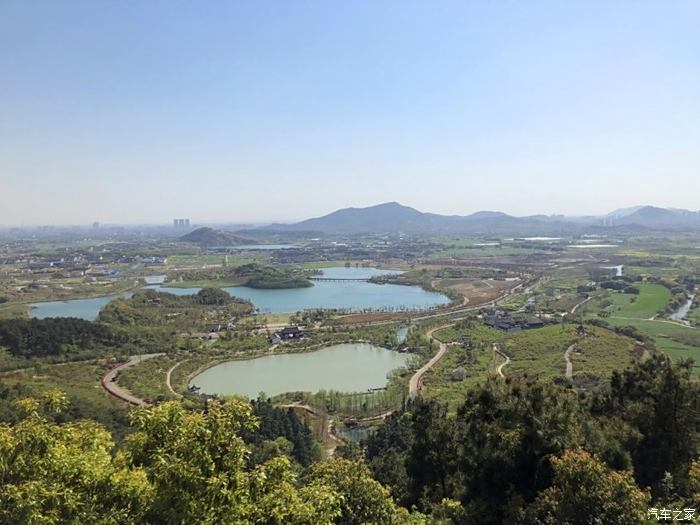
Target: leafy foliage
(179,466)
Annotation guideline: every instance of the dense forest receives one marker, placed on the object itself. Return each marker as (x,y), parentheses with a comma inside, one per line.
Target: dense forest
(522,451)
(54,336)
(24,342)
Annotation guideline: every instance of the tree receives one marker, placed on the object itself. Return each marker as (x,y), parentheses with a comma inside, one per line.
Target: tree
(507,429)
(213,296)
(63,473)
(433,457)
(586,492)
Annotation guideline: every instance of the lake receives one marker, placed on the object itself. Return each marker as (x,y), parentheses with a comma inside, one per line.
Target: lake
(87,309)
(353,367)
(80,308)
(347,295)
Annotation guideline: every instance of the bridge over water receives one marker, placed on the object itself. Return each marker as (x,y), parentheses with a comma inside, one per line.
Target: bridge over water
(338,279)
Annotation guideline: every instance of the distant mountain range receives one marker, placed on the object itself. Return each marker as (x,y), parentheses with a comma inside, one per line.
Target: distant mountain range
(656,218)
(394,217)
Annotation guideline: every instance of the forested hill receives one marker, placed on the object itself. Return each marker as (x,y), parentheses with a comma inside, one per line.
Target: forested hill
(211,237)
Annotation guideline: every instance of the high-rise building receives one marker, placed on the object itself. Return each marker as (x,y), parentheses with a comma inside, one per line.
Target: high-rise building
(181,223)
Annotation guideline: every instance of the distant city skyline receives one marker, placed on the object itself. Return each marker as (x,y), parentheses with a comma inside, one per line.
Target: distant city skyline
(255,112)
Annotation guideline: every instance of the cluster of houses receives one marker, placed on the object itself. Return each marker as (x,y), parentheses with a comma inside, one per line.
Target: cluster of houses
(288,332)
(501,320)
(213,330)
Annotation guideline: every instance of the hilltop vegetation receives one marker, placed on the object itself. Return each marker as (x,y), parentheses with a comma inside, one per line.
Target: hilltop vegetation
(177,466)
(253,275)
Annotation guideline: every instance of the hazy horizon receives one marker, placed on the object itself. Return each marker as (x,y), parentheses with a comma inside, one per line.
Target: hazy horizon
(201,223)
(259,112)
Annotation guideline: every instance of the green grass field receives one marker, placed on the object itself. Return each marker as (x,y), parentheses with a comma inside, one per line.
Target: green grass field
(601,352)
(676,340)
(147,379)
(651,298)
(537,352)
(437,383)
(268,318)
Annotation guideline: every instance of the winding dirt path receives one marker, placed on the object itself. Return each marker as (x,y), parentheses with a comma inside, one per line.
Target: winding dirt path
(576,306)
(499,370)
(110,385)
(569,363)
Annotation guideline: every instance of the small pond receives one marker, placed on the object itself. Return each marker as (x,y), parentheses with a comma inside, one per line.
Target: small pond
(354,367)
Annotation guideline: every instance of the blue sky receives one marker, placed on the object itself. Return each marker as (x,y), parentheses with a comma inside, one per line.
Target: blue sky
(128,111)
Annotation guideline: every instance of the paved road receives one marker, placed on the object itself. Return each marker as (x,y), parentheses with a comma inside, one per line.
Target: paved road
(110,385)
(414,385)
(168,374)
(464,307)
(569,364)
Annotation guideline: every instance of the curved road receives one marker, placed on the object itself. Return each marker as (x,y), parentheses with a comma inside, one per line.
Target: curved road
(499,370)
(415,384)
(576,306)
(167,377)
(110,385)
